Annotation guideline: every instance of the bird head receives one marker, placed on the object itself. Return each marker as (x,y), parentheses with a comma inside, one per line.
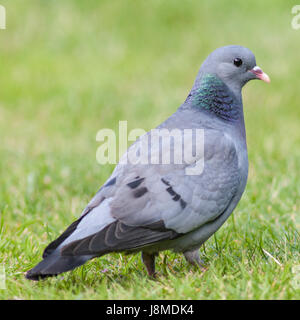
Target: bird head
(234,65)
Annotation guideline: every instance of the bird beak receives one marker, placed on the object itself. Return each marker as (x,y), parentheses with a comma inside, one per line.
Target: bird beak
(260,74)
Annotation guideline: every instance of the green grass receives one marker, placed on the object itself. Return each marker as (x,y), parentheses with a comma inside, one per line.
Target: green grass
(70,68)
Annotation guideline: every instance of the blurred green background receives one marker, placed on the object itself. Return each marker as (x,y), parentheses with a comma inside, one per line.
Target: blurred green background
(70,68)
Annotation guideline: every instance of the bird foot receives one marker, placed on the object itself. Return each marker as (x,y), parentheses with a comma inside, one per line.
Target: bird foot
(149,262)
(194,259)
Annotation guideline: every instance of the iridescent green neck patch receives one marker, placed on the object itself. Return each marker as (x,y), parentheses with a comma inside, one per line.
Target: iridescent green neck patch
(214,96)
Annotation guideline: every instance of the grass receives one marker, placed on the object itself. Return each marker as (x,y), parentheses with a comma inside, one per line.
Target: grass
(70,68)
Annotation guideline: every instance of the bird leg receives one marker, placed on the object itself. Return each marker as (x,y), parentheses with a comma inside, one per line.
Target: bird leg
(193,258)
(149,261)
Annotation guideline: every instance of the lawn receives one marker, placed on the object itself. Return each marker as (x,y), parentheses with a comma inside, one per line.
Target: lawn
(70,68)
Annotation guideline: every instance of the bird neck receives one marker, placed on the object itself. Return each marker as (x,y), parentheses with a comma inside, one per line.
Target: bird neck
(212,95)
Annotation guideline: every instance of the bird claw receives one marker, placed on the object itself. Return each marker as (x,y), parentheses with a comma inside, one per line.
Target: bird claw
(194,259)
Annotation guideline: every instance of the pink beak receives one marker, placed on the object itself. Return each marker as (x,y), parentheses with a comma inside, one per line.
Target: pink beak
(260,74)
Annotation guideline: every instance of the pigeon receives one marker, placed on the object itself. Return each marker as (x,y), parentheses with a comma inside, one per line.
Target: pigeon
(152,206)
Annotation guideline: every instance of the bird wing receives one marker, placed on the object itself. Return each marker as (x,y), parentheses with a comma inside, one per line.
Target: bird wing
(143,204)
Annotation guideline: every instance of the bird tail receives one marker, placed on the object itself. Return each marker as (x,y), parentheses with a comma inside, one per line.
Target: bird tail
(54,264)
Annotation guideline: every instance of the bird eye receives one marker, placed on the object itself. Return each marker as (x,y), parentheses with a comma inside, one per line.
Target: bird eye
(237,62)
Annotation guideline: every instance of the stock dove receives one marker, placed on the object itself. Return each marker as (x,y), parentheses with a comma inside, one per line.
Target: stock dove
(150,207)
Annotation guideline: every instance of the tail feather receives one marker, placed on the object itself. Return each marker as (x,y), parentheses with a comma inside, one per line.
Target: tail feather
(55,264)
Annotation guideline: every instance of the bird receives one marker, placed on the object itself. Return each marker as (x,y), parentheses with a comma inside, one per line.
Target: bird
(152,207)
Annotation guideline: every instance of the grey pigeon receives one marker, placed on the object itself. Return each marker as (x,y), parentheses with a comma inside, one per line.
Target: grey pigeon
(157,206)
